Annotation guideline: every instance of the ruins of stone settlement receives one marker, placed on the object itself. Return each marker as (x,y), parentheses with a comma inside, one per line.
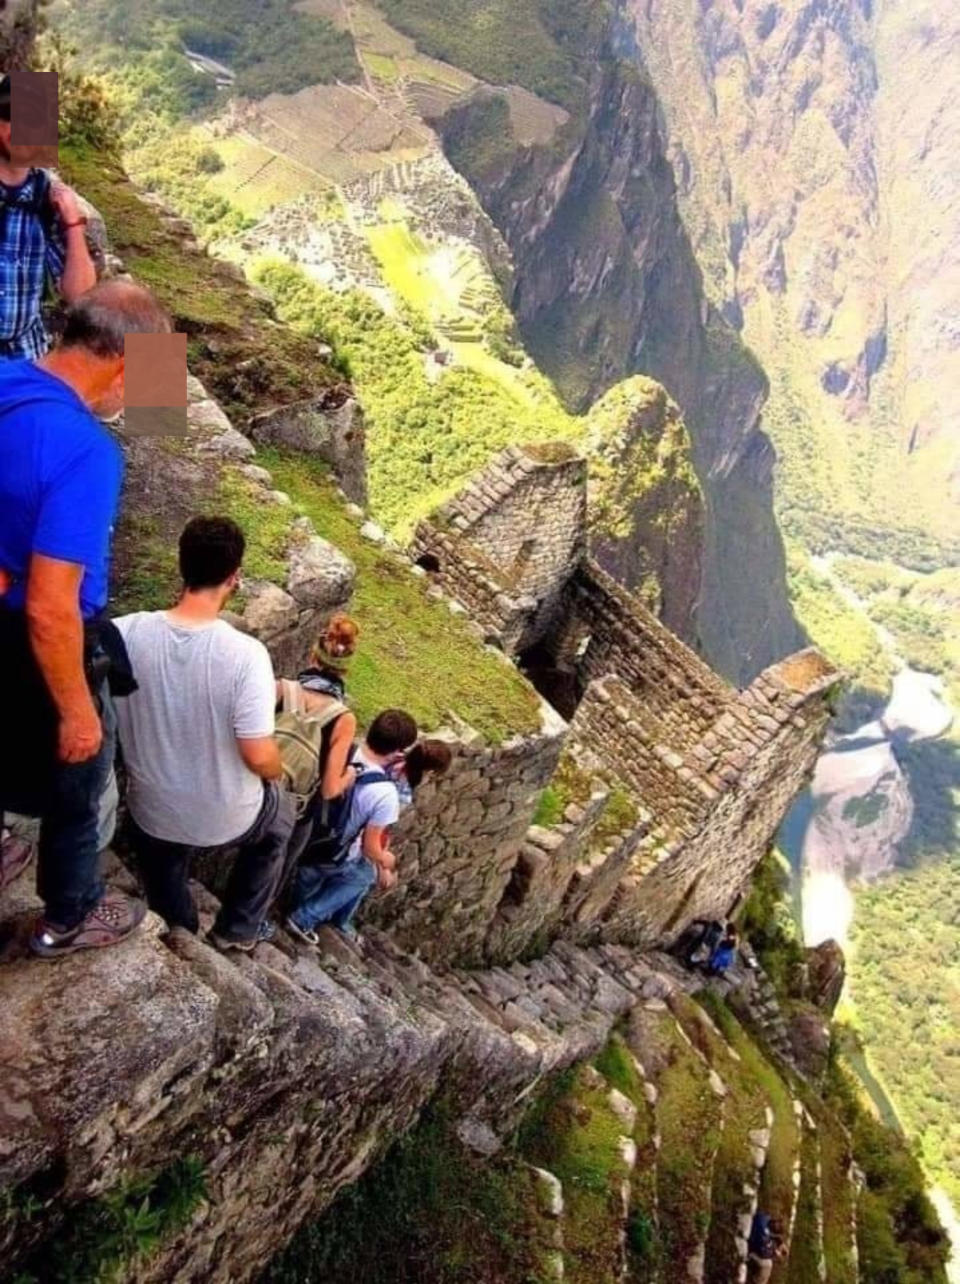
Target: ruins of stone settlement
(508,949)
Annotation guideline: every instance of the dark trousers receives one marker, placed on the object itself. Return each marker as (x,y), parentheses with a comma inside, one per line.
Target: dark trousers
(253,883)
(68,856)
(33,782)
(68,865)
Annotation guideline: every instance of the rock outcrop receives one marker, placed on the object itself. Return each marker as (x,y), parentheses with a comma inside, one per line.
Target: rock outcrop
(606,285)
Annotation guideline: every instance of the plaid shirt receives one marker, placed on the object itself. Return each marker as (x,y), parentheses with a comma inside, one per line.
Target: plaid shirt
(26,256)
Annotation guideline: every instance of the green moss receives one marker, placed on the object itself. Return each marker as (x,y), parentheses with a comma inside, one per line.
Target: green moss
(550,808)
(429,1213)
(102,1240)
(620,814)
(413,653)
(616,1064)
(577,1139)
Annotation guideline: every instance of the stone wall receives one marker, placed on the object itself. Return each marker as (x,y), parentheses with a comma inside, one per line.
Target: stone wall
(506,544)
(710,771)
(755,760)
(285,1074)
(533,903)
(677,689)
(459,842)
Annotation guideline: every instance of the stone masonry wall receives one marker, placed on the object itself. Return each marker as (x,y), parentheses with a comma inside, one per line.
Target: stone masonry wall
(460,840)
(507,542)
(756,759)
(286,1074)
(533,902)
(678,690)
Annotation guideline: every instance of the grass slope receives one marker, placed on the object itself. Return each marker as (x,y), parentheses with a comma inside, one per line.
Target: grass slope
(776,1181)
(429,1213)
(689,1123)
(744,1111)
(248,362)
(412,651)
(575,1135)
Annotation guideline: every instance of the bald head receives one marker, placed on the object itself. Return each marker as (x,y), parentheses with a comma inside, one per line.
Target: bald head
(99,319)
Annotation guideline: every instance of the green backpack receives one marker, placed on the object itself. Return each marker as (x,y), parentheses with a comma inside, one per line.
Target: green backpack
(304,741)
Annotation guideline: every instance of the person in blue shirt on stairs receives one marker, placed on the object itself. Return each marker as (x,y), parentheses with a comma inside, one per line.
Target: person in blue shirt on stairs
(60,477)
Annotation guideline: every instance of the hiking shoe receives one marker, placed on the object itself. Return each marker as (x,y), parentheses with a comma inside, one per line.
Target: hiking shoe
(16,853)
(304,933)
(112,920)
(265,932)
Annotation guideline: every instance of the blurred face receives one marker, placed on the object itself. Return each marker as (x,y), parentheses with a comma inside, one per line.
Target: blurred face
(4,140)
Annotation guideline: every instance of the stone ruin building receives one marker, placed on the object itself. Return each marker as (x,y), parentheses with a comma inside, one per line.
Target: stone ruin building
(709,770)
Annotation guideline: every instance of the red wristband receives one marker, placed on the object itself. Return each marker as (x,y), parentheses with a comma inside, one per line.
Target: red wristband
(80,222)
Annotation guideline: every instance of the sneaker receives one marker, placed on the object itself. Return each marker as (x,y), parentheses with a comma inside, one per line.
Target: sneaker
(109,922)
(16,853)
(304,933)
(265,932)
(350,934)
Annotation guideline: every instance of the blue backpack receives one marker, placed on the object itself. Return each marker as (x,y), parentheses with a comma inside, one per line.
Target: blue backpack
(761,1240)
(330,838)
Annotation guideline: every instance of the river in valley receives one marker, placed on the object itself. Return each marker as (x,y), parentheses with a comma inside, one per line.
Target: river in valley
(848,825)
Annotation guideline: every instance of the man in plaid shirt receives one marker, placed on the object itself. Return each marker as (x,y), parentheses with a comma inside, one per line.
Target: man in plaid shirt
(31,247)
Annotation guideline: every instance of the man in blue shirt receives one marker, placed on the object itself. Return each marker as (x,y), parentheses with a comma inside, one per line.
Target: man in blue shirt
(60,476)
(42,233)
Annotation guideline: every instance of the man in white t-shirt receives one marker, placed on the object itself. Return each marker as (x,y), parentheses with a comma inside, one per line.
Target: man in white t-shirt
(332,894)
(197,739)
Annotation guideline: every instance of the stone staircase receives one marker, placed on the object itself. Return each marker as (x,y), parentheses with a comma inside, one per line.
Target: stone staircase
(292,1059)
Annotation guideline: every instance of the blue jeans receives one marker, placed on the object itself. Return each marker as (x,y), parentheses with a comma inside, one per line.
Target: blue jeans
(68,866)
(331,895)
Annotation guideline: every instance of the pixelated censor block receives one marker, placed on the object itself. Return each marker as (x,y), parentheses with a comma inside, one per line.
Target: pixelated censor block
(34,111)
(155,385)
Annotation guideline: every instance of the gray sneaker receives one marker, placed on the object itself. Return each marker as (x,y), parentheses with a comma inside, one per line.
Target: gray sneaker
(265,932)
(303,933)
(112,920)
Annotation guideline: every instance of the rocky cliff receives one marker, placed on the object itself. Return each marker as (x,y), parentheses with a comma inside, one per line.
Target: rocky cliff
(810,146)
(606,283)
(185,1113)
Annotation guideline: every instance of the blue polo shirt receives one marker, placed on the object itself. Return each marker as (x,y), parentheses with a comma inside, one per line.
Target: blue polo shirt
(60,477)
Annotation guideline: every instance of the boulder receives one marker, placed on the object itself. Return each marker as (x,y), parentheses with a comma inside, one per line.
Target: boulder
(320,576)
(809,1036)
(826,973)
(269,610)
(335,433)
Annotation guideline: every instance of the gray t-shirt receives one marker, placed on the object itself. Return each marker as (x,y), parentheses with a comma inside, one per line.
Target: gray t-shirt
(200,687)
